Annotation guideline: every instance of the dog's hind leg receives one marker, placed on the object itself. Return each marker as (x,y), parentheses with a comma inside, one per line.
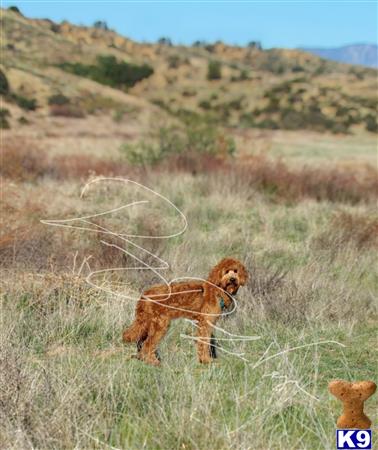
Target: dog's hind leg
(135,332)
(156,332)
(213,347)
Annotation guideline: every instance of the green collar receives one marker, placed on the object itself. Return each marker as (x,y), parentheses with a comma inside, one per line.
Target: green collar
(222,304)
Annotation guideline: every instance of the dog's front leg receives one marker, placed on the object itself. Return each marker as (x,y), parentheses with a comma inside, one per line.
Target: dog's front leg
(213,347)
(203,345)
(140,344)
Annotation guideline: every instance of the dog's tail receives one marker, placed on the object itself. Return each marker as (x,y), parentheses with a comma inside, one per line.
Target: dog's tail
(135,332)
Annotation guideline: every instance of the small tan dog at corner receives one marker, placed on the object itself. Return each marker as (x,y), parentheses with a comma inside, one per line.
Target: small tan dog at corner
(201,301)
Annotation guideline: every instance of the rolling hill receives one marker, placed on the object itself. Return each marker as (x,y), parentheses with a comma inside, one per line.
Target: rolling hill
(63,69)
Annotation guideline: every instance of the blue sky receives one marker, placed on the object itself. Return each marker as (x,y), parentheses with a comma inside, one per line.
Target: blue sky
(292,24)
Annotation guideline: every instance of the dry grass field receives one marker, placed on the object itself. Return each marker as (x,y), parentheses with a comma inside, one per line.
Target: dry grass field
(297,206)
(308,235)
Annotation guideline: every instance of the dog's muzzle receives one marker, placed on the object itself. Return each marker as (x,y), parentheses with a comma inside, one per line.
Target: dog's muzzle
(232,286)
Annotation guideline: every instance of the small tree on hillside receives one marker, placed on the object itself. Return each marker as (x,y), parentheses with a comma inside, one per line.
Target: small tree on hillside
(214,70)
(15,9)
(101,25)
(199,44)
(4,85)
(165,41)
(255,44)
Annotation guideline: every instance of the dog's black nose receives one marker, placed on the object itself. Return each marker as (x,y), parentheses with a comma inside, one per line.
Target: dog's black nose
(232,279)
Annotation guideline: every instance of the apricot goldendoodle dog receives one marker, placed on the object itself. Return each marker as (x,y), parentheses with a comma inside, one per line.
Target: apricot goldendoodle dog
(201,301)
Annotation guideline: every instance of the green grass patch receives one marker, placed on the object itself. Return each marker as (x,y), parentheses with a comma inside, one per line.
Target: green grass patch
(107,70)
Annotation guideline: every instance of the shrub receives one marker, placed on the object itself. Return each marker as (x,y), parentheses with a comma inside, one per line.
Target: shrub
(109,71)
(167,141)
(269,124)
(141,153)
(165,41)
(294,120)
(58,99)
(297,68)
(255,44)
(23,121)
(60,105)
(371,123)
(236,103)
(4,114)
(54,27)
(274,62)
(197,138)
(221,111)
(4,85)
(214,70)
(175,61)
(101,25)
(189,92)
(289,106)
(204,104)
(199,44)
(15,9)
(243,75)
(209,47)
(207,139)
(29,104)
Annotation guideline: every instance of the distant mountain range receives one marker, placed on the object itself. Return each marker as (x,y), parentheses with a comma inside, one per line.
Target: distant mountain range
(362,54)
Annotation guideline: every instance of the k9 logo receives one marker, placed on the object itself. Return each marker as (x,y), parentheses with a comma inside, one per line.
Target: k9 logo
(347,439)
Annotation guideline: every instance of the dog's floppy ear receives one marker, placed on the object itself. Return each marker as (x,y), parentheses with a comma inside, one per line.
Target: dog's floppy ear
(243,274)
(215,275)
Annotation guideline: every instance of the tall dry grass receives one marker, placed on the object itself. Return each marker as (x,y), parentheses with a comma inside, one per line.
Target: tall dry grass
(67,381)
(24,161)
(332,184)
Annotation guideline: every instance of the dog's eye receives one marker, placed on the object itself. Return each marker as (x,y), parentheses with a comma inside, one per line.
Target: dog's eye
(236,270)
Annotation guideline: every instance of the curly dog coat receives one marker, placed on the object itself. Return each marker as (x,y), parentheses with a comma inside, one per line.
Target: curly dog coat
(201,301)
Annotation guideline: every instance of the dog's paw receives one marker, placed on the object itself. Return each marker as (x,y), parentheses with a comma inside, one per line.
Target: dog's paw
(205,360)
(152,360)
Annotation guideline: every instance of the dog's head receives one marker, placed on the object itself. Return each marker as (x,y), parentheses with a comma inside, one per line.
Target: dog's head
(229,274)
